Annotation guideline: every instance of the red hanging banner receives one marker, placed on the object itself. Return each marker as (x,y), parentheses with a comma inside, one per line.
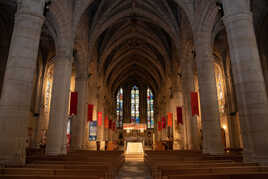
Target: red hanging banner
(110,124)
(179,115)
(194,103)
(164,123)
(73,103)
(99,118)
(159,124)
(106,122)
(90,112)
(170,119)
(113,126)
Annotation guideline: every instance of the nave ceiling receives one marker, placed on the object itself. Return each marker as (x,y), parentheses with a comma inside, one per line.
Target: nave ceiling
(134,40)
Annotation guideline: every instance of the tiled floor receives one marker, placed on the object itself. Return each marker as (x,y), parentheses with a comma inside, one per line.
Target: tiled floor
(134,169)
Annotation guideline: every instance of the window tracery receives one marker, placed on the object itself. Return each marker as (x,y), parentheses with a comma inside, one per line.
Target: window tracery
(119,108)
(150,109)
(135,101)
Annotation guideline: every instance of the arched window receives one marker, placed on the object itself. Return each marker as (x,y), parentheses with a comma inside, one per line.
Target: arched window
(220,88)
(48,89)
(150,109)
(135,101)
(119,108)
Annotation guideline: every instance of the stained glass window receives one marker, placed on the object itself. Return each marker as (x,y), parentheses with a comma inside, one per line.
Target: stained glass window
(48,91)
(119,108)
(150,109)
(135,101)
(220,88)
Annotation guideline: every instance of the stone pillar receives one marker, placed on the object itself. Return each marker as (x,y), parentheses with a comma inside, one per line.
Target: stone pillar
(212,140)
(78,126)
(18,81)
(188,87)
(57,129)
(248,80)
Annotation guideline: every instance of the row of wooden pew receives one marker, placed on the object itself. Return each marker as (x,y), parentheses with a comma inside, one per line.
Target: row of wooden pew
(76,165)
(195,165)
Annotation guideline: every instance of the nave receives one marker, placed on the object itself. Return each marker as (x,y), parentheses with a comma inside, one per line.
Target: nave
(134,168)
(85,85)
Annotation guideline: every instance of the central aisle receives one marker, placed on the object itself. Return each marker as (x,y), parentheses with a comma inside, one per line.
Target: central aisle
(134,169)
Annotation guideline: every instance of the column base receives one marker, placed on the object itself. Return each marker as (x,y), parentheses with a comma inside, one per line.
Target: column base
(11,161)
(12,151)
(262,160)
(74,148)
(56,152)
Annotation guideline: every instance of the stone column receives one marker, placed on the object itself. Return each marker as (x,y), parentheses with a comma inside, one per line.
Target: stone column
(18,81)
(248,80)
(57,129)
(188,87)
(79,123)
(212,140)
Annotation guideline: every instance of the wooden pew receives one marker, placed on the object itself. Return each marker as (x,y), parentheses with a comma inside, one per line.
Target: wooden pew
(194,165)
(53,172)
(234,172)
(77,164)
(47,177)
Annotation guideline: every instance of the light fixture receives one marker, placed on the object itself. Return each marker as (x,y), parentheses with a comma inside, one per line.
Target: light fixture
(46,8)
(224,126)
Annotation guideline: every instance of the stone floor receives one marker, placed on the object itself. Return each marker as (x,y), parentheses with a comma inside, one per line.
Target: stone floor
(134,169)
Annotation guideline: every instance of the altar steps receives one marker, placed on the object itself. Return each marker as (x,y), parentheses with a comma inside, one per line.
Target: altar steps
(137,157)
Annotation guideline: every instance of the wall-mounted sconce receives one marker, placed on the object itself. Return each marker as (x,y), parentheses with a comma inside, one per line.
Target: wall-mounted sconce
(220,8)
(194,53)
(179,75)
(46,8)
(224,127)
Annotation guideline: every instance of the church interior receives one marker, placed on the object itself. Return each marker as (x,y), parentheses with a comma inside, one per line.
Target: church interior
(111,89)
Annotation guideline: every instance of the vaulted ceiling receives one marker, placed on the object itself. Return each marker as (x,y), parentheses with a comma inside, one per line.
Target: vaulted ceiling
(134,40)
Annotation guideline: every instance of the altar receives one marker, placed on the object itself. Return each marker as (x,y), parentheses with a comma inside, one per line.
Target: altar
(134,138)
(134,148)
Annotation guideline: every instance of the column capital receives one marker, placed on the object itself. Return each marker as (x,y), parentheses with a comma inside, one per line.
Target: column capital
(237,17)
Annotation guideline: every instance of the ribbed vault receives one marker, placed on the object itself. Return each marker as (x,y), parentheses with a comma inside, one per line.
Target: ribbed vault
(134,40)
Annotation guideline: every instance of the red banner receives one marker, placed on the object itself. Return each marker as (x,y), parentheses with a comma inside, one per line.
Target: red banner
(106,122)
(159,124)
(179,115)
(194,103)
(73,103)
(114,125)
(170,119)
(90,112)
(99,118)
(110,124)
(164,123)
